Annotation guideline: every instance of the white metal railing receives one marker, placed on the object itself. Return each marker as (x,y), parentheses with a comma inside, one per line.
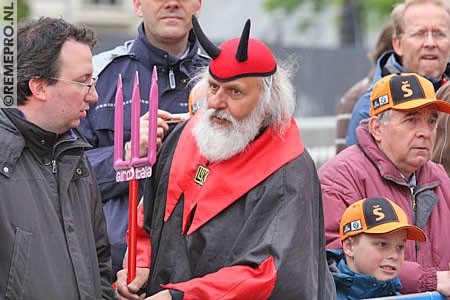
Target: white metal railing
(318,134)
(321,154)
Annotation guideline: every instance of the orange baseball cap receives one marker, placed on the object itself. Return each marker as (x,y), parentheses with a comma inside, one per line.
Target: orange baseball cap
(377,215)
(404,91)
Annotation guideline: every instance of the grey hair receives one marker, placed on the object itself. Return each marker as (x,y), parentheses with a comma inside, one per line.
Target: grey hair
(278,98)
(385,116)
(398,13)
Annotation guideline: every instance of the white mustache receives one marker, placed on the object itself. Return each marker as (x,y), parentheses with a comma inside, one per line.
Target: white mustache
(221,115)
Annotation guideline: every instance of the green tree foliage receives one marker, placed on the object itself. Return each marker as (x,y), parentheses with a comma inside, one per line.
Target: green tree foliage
(377,7)
(290,6)
(355,17)
(23,9)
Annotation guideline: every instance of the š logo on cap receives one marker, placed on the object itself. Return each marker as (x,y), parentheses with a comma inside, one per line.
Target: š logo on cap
(377,215)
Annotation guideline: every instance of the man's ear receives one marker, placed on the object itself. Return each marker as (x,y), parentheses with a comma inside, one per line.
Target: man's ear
(197,12)
(396,45)
(38,88)
(375,128)
(137,8)
(347,246)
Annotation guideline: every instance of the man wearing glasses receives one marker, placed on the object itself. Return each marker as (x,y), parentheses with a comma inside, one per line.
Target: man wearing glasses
(52,227)
(421,42)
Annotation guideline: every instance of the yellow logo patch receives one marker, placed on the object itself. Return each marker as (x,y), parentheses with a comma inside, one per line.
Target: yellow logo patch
(201,174)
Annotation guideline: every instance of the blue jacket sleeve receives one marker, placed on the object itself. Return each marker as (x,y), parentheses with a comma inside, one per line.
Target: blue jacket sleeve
(360,112)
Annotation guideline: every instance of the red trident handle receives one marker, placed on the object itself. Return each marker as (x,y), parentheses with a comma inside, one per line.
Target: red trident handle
(132,225)
(136,168)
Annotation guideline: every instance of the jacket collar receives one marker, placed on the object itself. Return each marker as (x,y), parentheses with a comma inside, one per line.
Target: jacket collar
(12,144)
(18,134)
(150,55)
(390,63)
(355,285)
(37,139)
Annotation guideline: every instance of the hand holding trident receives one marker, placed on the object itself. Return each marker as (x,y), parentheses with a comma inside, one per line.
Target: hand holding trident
(136,167)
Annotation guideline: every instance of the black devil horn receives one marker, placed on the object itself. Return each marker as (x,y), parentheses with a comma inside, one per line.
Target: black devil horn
(209,47)
(242,50)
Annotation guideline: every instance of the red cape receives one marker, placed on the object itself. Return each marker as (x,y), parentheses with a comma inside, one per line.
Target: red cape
(227,180)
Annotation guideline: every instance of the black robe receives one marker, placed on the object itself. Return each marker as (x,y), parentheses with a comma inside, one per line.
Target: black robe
(251,228)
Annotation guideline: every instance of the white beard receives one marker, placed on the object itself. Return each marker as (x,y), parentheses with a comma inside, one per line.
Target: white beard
(217,143)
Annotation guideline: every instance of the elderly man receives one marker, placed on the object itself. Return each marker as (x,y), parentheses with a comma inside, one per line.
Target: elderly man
(421,42)
(52,227)
(392,159)
(235,196)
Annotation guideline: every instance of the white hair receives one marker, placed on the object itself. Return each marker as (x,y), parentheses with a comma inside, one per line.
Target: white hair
(278,98)
(385,116)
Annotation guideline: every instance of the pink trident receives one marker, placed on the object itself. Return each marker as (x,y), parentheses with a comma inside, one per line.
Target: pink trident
(135,168)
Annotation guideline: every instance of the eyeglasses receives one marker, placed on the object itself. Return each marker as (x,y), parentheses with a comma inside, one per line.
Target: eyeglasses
(88,85)
(437,35)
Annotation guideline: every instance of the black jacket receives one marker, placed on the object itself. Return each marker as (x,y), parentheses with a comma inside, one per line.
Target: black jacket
(52,227)
(253,230)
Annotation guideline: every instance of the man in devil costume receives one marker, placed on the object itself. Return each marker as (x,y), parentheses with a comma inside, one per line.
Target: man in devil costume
(234,208)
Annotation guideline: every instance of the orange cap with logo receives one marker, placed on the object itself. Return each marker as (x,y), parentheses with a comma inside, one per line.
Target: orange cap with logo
(404,91)
(377,215)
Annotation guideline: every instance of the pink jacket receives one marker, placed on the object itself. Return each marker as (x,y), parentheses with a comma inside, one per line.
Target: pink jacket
(363,171)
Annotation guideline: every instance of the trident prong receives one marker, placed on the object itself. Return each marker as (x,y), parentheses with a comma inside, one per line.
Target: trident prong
(125,168)
(135,168)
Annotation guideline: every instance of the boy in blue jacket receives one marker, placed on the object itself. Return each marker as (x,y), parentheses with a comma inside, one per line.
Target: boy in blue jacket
(373,235)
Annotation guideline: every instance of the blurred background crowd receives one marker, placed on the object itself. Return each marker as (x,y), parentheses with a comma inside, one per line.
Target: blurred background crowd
(330,40)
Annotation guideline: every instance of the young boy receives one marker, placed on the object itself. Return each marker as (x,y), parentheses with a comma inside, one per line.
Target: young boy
(373,235)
